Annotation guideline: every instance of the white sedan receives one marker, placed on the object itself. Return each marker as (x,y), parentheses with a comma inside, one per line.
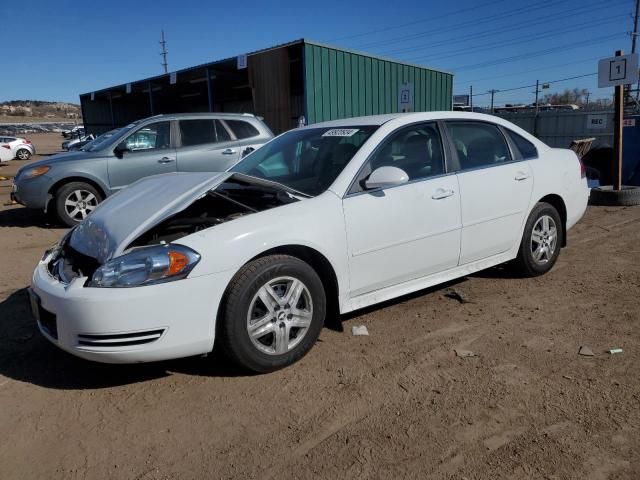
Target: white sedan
(321,220)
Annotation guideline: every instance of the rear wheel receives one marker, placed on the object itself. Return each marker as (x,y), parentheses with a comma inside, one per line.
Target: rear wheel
(541,241)
(273,313)
(74,201)
(23,154)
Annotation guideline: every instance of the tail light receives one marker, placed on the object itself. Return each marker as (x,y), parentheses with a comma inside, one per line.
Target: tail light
(8,147)
(583,170)
(28,142)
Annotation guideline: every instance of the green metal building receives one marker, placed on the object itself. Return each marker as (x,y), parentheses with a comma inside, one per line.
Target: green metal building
(282,84)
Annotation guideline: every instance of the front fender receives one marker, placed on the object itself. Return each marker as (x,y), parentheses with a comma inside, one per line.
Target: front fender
(79,174)
(316,223)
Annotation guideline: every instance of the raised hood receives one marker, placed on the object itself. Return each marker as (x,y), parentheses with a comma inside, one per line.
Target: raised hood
(121,218)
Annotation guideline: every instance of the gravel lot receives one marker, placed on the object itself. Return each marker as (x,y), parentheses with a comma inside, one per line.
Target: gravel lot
(396,404)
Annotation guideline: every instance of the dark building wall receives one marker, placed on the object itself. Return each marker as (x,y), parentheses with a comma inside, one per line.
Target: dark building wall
(280,84)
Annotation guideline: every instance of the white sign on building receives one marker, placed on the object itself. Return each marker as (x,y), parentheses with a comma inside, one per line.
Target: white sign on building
(596,122)
(405,97)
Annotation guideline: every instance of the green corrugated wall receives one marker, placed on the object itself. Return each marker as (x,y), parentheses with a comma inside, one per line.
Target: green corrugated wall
(340,84)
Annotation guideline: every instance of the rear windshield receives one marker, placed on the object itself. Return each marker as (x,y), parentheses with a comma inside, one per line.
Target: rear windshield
(307,160)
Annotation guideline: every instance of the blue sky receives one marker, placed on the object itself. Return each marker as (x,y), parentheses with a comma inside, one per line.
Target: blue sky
(67,48)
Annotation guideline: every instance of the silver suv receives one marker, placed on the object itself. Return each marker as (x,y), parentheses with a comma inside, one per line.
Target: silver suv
(71,185)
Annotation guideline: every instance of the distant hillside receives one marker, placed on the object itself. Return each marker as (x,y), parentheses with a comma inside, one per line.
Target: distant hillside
(40,109)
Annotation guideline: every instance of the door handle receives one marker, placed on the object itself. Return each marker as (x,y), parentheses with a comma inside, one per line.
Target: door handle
(228,151)
(441,193)
(166,160)
(521,176)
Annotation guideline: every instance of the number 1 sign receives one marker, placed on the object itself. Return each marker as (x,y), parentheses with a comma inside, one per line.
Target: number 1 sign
(621,70)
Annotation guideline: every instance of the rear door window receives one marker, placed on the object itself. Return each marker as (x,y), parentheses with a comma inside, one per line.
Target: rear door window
(242,129)
(525,147)
(197,132)
(478,144)
(222,133)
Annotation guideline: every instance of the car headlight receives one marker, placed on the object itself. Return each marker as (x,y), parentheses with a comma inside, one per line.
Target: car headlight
(35,172)
(146,266)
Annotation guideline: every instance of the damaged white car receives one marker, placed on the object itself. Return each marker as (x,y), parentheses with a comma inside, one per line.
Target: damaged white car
(322,220)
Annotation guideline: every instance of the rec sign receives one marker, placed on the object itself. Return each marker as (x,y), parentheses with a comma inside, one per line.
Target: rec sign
(621,70)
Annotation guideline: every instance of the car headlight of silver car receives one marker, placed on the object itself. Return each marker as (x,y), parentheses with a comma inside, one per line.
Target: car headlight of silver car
(146,266)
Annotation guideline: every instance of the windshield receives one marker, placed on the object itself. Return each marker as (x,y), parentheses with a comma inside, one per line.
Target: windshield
(100,141)
(307,160)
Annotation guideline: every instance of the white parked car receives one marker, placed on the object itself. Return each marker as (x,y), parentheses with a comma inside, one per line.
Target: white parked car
(21,148)
(323,219)
(6,153)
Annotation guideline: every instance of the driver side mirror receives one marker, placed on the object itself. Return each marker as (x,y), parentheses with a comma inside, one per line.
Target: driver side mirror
(383,177)
(120,149)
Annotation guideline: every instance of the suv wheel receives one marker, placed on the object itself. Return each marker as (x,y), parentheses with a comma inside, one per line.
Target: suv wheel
(74,201)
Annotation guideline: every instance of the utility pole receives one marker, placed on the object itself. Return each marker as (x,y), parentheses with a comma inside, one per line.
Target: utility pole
(535,118)
(634,36)
(471,97)
(492,92)
(587,100)
(164,52)
(617,132)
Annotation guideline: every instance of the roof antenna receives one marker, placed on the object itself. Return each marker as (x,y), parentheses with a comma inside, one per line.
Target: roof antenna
(164,52)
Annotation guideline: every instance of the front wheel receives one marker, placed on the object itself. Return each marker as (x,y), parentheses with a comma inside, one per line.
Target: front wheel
(541,241)
(273,313)
(74,201)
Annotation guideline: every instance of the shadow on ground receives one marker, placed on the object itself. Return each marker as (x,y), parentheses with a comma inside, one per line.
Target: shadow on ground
(25,355)
(26,217)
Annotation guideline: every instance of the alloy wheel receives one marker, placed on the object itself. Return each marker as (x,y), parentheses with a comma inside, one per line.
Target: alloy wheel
(544,239)
(79,204)
(279,315)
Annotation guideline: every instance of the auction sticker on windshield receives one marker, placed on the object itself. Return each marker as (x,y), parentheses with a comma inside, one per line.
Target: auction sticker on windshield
(340,132)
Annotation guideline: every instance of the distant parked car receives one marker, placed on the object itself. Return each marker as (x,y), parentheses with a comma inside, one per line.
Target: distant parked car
(76,131)
(21,148)
(72,184)
(5,152)
(86,144)
(75,143)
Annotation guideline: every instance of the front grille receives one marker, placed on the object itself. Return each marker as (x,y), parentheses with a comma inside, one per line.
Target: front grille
(70,264)
(48,322)
(119,339)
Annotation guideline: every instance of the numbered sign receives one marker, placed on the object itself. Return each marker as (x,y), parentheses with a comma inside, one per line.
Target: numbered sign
(622,70)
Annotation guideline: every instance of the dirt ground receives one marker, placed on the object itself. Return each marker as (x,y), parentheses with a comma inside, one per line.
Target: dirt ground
(396,404)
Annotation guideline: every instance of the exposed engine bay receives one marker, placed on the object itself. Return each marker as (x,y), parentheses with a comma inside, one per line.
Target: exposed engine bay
(230,200)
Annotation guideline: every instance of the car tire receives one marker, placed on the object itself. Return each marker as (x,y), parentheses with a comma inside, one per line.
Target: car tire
(281,333)
(23,154)
(541,241)
(627,196)
(74,201)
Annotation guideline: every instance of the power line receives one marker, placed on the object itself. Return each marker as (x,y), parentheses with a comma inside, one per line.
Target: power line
(558,16)
(525,39)
(537,53)
(415,22)
(464,25)
(551,67)
(505,90)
